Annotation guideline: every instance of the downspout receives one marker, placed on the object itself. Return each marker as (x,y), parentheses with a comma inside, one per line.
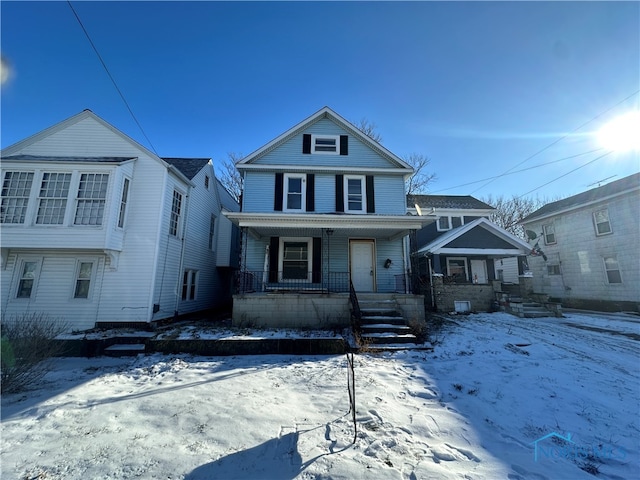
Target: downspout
(433,298)
(407,265)
(265,267)
(181,264)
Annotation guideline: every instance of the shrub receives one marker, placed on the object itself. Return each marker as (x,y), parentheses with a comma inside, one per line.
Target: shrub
(27,346)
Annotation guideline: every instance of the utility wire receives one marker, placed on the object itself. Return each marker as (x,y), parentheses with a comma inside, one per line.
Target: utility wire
(111,77)
(559,139)
(519,171)
(564,175)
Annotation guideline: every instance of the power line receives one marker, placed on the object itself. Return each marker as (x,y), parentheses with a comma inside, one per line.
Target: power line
(519,171)
(569,172)
(559,139)
(111,77)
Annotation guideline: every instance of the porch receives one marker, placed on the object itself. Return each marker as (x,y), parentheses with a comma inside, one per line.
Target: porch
(308,309)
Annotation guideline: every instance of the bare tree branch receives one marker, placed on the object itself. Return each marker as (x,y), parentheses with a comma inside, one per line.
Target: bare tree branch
(229,175)
(510,211)
(369,129)
(420,180)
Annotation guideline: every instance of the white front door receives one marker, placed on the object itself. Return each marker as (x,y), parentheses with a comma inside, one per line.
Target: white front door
(479,271)
(362,265)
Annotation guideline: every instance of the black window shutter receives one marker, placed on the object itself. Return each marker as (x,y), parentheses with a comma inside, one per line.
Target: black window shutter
(371,203)
(274,246)
(277,199)
(306,143)
(311,195)
(344,145)
(339,193)
(316,260)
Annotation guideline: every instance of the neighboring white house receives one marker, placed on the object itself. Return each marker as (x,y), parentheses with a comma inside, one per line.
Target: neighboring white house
(96,229)
(590,247)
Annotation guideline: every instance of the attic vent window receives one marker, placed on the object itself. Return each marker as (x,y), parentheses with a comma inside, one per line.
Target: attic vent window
(327,144)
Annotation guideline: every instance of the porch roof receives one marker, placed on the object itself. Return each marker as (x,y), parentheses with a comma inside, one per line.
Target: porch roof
(442,244)
(389,226)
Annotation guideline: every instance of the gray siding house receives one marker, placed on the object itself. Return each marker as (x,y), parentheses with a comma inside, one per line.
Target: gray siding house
(98,230)
(591,247)
(323,208)
(463,259)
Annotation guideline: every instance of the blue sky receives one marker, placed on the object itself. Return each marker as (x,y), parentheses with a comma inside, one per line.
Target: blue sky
(477,87)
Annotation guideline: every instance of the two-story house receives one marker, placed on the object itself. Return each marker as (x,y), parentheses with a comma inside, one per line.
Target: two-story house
(463,258)
(323,207)
(97,230)
(591,247)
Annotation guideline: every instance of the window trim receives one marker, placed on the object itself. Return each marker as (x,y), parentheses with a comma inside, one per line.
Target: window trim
(309,242)
(606,271)
(76,278)
(124,201)
(89,200)
(334,138)
(449,222)
(20,277)
(303,192)
(546,234)
(595,222)
(29,177)
(363,184)
(556,269)
(176,218)
(65,199)
(466,267)
(190,282)
(213,224)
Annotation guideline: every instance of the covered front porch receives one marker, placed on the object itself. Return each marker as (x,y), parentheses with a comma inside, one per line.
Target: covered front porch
(297,270)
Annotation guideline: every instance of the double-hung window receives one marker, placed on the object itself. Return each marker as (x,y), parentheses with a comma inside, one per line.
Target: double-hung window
(52,199)
(457,268)
(549,233)
(123,203)
(16,189)
(83,280)
(601,222)
(355,194)
(294,192)
(92,194)
(176,209)
(447,223)
(212,232)
(28,275)
(612,269)
(189,284)
(295,258)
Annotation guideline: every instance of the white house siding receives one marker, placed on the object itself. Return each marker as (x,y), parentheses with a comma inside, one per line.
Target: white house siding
(290,153)
(509,267)
(579,252)
(213,285)
(53,291)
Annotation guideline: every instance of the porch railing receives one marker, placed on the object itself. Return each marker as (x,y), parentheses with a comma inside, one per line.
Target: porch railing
(256,281)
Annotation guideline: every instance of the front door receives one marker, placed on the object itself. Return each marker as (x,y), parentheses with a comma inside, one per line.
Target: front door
(478,271)
(362,265)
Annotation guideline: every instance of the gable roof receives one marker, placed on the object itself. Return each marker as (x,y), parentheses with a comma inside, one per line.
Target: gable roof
(458,202)
(438,244)
(16,147)
(188,166)
(619,187)
(325,112)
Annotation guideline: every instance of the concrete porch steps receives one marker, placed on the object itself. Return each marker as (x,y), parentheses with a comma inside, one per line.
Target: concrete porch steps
(382,324)
(125,350)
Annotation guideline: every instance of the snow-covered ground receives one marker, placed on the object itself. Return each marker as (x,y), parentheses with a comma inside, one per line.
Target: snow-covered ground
(499,397)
